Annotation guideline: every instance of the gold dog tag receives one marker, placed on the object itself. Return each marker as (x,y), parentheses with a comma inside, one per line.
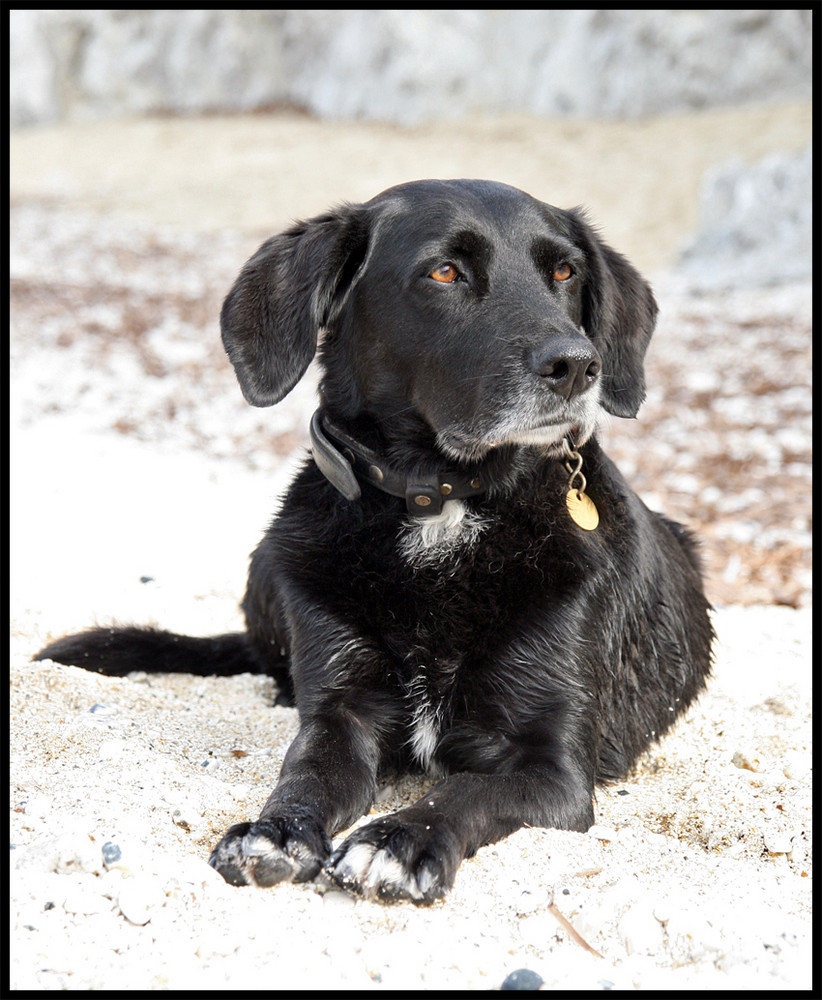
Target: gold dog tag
(582,509)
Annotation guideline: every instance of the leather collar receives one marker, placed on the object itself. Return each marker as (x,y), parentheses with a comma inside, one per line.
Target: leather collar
(345,462)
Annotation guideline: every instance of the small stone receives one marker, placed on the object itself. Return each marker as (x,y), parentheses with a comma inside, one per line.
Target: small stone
(602,832)
(187,814)
(126,855)
(83,899)
(777,841)
(76,852)
(797,853)
(522,979)
(111,883)
(139,898)
(195,871)
(104,711)
(111,854)
(749,760)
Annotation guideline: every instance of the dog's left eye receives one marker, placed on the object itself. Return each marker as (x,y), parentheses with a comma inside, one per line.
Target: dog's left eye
(446,273)
(562,272)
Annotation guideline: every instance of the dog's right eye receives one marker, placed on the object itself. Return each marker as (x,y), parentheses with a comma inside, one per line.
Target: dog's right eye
(445,273)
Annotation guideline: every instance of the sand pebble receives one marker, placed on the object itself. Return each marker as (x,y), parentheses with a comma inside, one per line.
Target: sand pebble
(777,841)
(749,760)
(384,793)
(85,898)
(602,832)
(112,854)
(75,851)
(239,792)
(126,852)
(196,872)
(187,814)
(522,979)
(640,930)
(104,711)
(139,898)
(797,853)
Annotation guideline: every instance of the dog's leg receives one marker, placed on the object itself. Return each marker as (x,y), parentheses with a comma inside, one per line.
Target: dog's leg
(414,853)
(328,779)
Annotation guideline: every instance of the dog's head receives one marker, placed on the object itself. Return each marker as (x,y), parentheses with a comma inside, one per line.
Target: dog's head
(465,306)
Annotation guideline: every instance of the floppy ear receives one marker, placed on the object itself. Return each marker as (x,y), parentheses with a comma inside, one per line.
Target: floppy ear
(294,284)
(619,315)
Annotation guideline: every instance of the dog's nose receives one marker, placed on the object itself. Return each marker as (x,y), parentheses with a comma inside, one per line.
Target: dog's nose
(569,365)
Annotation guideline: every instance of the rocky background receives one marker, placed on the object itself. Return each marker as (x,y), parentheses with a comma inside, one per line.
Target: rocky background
(151,152)
(404,66)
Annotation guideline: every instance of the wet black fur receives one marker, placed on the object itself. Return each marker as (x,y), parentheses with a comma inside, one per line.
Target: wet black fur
(551,656)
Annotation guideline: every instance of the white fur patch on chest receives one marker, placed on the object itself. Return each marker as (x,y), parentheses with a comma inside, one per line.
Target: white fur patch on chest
(428,541)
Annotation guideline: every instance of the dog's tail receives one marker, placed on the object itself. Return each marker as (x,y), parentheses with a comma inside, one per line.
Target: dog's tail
(118,651)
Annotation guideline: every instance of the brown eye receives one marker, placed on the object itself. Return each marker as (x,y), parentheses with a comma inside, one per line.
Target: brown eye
(445,273)
(562,272)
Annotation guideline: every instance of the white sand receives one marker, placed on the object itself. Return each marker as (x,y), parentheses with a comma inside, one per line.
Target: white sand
(698,877)
(680,891)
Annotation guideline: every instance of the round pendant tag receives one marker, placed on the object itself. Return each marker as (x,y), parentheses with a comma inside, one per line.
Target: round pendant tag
(582,509)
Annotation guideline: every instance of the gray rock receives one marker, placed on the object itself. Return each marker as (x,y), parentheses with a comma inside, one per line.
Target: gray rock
(522,979)
(755,225)
(402,65)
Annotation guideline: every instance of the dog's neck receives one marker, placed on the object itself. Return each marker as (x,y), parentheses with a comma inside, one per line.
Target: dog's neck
(346,462)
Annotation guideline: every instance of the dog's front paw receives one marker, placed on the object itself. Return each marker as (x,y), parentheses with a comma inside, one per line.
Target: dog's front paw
(396,858)
(288,848)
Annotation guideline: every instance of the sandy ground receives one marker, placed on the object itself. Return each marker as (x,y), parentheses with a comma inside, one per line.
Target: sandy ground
(140,482)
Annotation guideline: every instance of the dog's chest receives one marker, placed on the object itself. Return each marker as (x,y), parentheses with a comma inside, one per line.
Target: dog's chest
(446,538)
(428,692)
(434,549)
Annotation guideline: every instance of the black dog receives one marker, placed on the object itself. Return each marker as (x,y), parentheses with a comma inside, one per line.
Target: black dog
(460,581)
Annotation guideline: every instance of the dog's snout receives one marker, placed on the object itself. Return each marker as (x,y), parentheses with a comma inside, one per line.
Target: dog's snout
(569,365)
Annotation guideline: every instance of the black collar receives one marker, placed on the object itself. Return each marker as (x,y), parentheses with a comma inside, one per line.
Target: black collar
(347,463)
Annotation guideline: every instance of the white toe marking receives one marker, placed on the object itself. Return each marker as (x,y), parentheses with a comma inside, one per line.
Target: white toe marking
(353,865)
